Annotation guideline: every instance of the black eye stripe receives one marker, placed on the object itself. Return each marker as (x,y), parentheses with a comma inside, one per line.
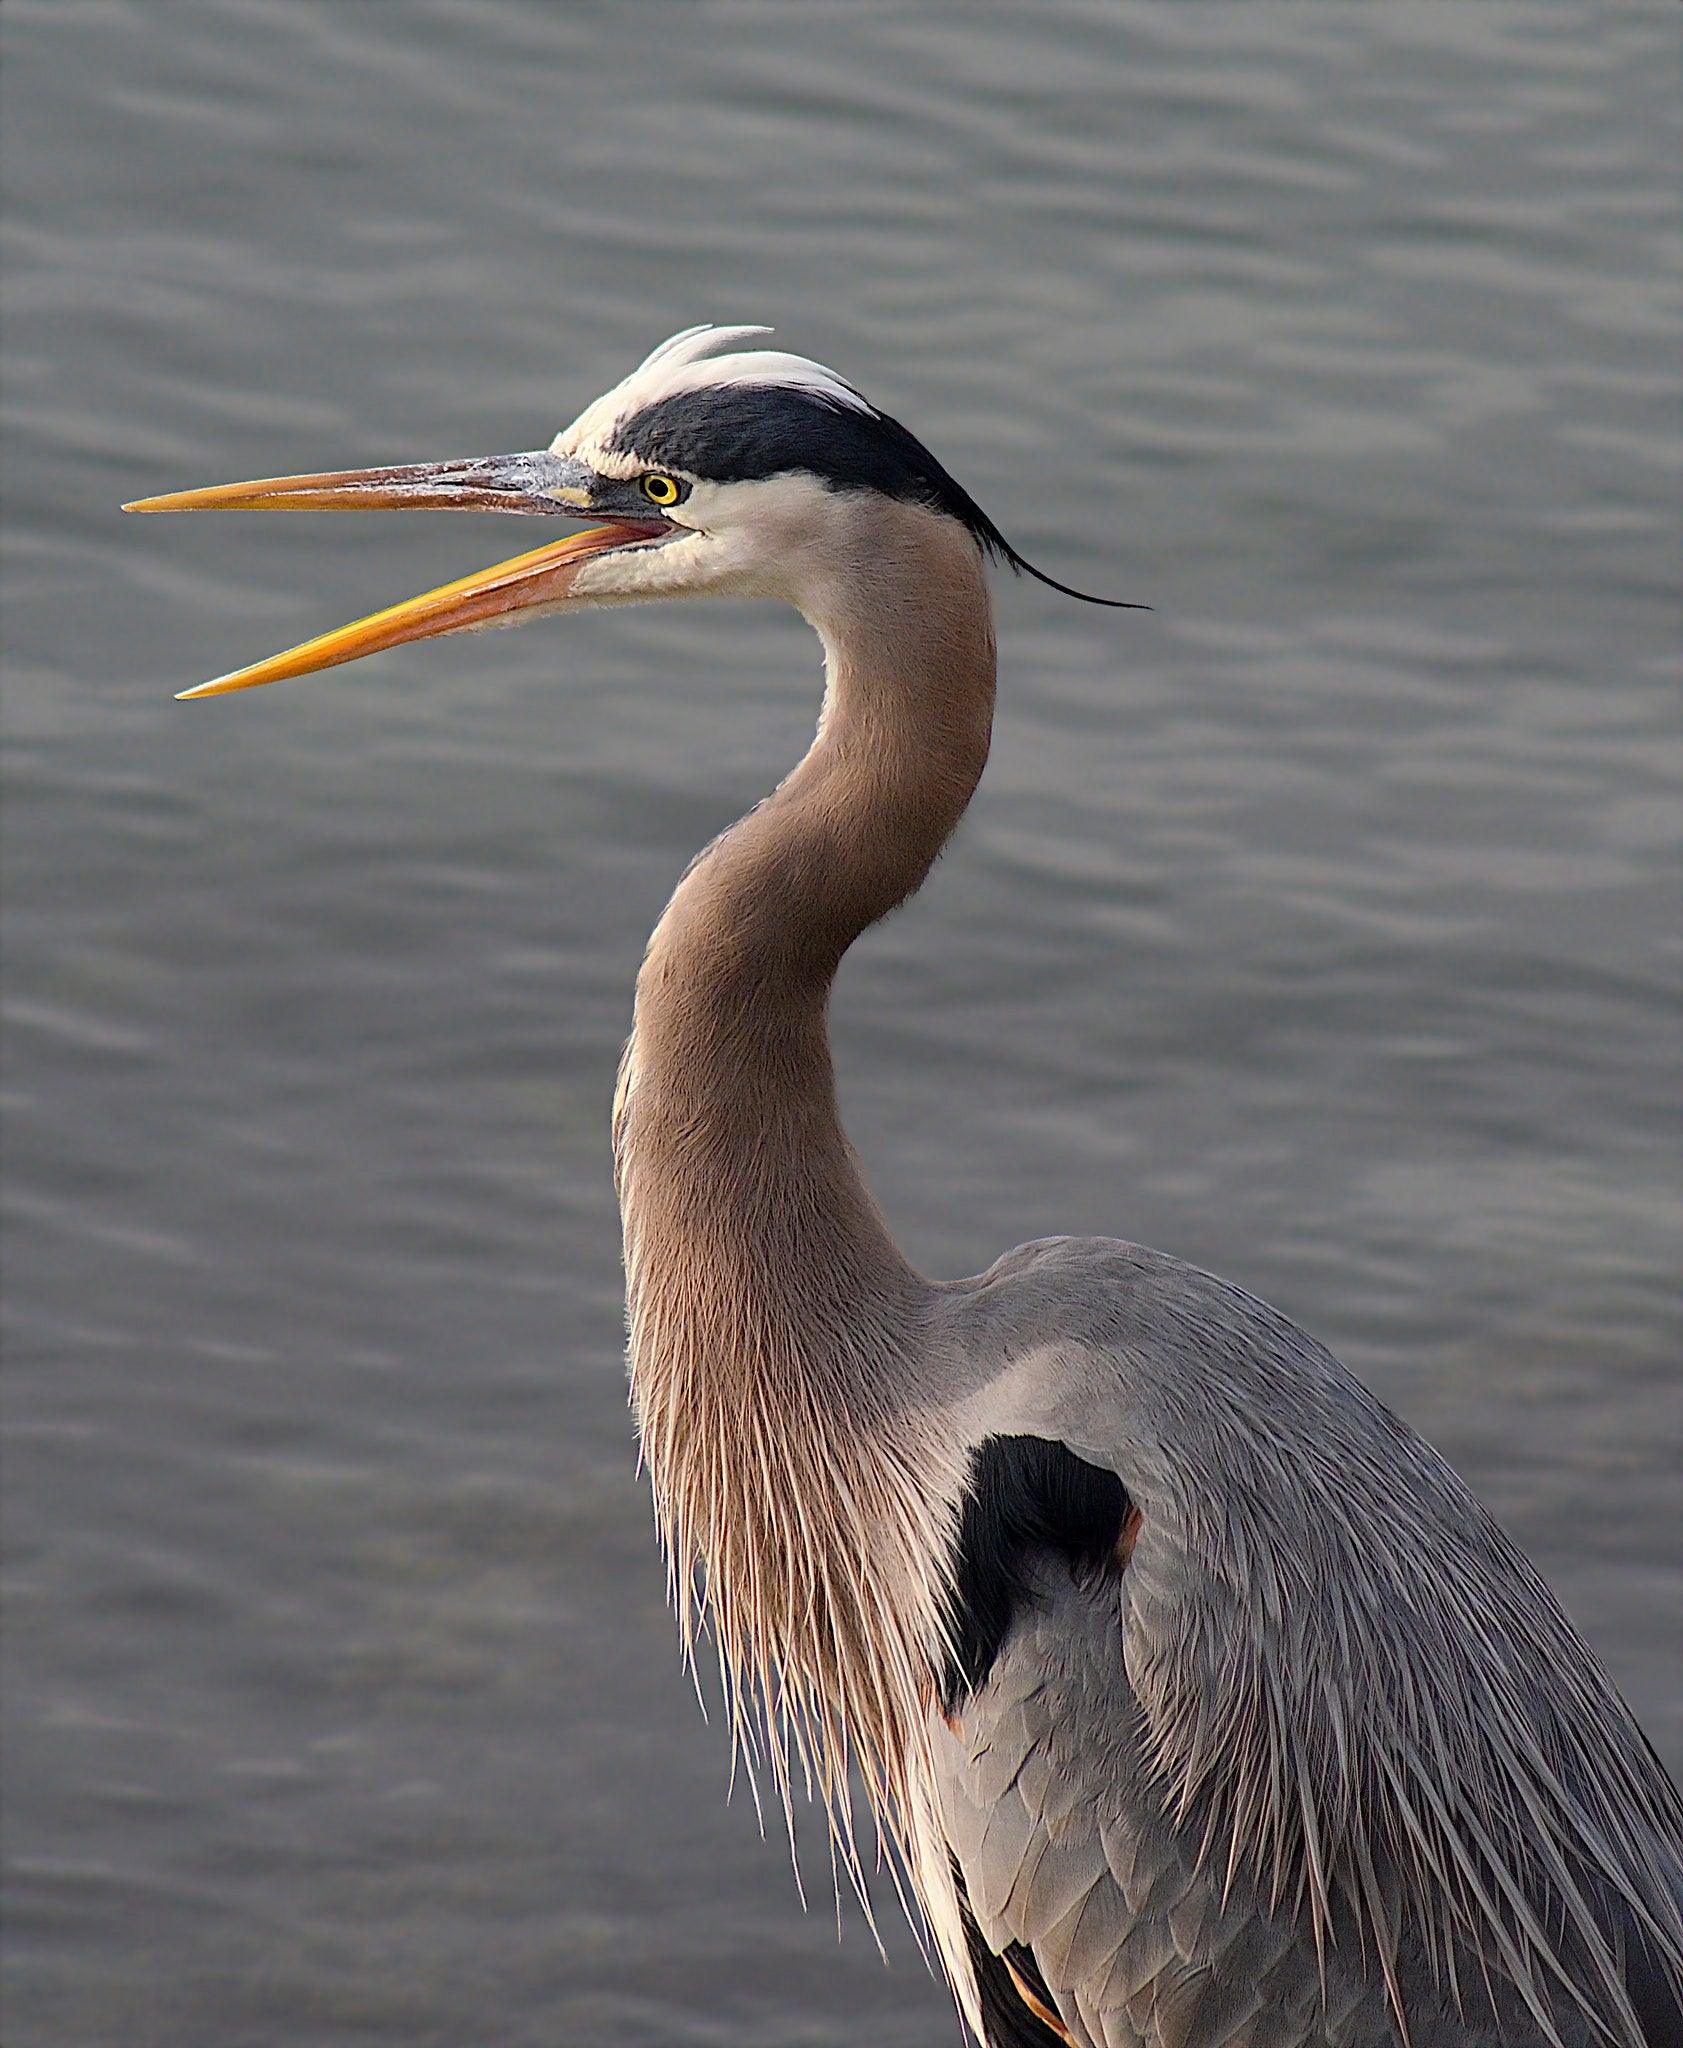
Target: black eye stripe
(746,433)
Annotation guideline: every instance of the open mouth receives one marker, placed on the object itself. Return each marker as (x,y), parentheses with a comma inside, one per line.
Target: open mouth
(638,533)
(488,596)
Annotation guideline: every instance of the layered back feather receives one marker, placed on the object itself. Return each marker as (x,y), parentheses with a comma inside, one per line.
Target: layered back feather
(1365,1700)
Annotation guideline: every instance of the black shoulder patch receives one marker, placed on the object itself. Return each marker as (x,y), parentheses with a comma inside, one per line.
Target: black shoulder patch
(743,433)
(1026,1496)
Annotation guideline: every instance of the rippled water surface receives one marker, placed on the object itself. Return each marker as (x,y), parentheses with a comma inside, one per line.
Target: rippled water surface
(1318,926)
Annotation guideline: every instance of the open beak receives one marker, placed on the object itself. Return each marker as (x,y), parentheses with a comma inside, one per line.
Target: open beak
(538,483)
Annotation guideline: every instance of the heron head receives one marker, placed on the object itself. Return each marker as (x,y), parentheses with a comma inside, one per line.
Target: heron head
(712,469)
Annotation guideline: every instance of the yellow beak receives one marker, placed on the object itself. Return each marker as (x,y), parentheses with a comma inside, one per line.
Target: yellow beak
(539,483)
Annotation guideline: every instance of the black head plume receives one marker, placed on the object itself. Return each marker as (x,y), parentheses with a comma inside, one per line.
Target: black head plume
(744,432)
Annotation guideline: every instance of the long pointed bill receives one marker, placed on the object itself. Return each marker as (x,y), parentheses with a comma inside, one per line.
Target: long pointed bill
(541,483)
(542,577)
(536,482)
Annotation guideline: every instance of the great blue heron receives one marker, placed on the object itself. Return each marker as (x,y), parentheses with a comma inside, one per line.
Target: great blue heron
(1202,1701)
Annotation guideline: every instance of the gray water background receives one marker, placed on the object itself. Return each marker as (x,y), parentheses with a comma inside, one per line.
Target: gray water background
(1319,926)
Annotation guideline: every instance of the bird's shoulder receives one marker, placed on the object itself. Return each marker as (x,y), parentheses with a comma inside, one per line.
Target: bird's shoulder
(1125,1353)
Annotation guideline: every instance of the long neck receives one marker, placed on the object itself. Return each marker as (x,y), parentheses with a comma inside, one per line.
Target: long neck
(774,1322)
(729,1134)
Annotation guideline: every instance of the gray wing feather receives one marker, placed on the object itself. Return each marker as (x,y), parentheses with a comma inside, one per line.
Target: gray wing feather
(1335,1742)
(1074,1861)
(1058,1821)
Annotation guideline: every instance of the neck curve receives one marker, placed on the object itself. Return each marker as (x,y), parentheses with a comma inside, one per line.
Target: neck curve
(728,1132)
(775,1326)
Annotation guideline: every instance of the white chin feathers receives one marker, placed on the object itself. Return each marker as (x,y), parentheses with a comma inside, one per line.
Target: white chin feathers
(769,538)
(684,567)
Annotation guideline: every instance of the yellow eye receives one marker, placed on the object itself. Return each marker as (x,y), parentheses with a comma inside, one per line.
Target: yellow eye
(661,490)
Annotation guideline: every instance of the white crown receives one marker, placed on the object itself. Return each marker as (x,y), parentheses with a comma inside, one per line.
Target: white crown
(690,361)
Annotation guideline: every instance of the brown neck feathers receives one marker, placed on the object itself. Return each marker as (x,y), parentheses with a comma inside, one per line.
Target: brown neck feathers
(728,1132)
(775,1325)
